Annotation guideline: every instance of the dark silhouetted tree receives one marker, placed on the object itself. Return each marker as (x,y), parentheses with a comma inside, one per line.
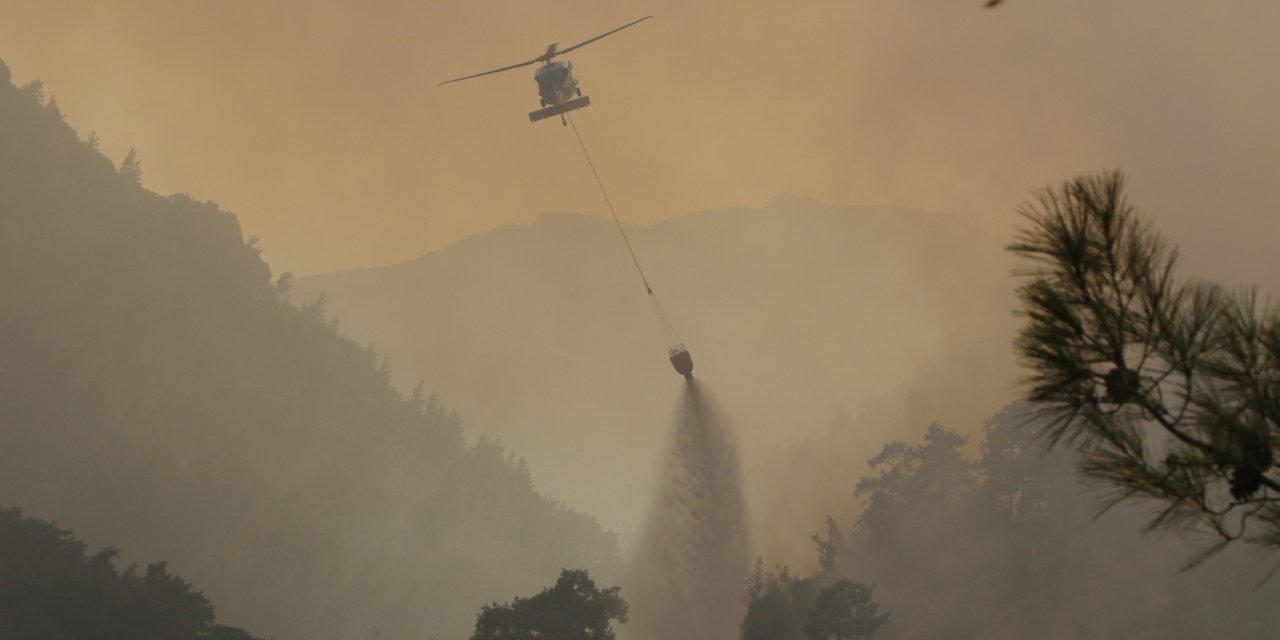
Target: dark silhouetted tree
(776,604)
(844,611)
(229,633)
(34,90)
(831,546)
(284,284)
(51,589)
(573,609)
(131,168)
(1171,388)
(53,108)
(912,482)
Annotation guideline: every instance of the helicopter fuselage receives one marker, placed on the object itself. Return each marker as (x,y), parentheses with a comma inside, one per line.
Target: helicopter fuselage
(556,84)
(557,88)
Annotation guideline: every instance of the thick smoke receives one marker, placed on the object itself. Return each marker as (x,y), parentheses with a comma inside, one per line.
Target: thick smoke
(691,565)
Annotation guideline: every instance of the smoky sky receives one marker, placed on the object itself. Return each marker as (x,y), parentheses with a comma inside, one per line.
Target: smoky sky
(321,125)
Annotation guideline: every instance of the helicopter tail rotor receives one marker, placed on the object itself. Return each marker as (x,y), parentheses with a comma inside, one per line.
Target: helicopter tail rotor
(551,52)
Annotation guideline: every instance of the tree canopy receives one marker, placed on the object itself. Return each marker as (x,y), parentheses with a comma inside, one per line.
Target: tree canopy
(844,611)
(1170,387)
(51,588)
(993,537)
(573,609)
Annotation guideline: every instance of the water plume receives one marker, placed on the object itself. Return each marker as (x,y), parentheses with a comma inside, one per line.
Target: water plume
(688,576)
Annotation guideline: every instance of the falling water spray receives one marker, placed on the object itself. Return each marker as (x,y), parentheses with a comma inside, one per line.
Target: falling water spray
(688,576)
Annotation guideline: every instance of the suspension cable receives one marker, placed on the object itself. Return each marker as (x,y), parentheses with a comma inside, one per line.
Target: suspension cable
(609,202)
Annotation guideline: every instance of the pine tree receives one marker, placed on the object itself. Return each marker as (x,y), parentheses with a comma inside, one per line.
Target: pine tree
(53,108)
(132,166)
(844,611)
(284,285)
(34,90)
(1171,388)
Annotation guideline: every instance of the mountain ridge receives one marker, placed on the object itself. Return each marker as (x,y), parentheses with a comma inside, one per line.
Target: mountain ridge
(779,201)
(552,324)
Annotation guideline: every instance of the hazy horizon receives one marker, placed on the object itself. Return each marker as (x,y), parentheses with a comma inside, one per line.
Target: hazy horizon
(324,130)
(362,357)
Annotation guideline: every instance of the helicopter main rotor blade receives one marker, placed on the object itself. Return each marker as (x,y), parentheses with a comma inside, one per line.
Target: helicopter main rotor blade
(477,75)
(607,33)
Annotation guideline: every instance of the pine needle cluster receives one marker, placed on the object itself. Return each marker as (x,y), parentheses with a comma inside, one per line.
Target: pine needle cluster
(1169,387)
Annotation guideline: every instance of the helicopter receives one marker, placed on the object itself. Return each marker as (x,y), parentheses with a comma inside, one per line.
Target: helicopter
(558,90)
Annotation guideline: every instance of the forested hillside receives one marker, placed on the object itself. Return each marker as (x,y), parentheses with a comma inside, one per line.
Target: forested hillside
(159,393)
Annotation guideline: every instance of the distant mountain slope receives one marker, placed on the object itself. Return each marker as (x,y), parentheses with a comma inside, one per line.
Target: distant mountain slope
(158,393)
(795,314)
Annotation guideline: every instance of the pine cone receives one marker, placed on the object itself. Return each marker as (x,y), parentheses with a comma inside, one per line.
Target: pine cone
(1122,385)
(1245,481)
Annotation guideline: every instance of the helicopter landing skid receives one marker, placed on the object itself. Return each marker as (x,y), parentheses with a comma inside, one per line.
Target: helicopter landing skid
(559,109)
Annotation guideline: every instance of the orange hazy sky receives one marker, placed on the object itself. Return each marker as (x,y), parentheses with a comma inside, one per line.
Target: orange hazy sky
(320,123)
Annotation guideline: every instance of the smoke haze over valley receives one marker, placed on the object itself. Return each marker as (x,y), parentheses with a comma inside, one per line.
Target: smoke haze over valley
(296,344)
(800,312)
(320,123)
